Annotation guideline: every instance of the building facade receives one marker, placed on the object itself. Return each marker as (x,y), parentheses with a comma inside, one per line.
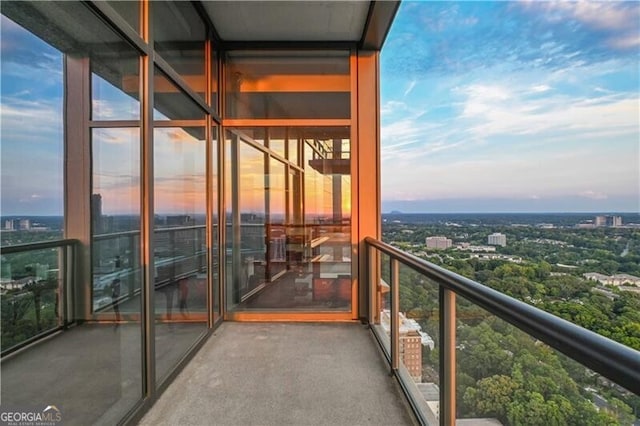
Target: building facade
(207,157)
(497,239)
(438,243)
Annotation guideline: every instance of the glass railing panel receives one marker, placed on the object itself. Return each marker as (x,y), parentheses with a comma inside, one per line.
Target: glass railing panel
(31,299)
(383,302)
(505,375)
(419,337)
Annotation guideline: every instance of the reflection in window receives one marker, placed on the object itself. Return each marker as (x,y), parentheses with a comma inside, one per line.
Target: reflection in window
(111,103)
(115,217)
(103,348)
(298,84)
(180,244)
(32,132)
(129,10)
(179,36)
(290,229)
(170,103)
(215,225)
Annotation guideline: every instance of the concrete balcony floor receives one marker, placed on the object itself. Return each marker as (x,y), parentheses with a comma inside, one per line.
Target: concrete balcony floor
(284,374)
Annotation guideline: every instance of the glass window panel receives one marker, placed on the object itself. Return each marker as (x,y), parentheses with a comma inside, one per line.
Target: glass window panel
(215,224)
(115,218)
(32,132)
(292,153)
(291,231)
(504,373)
(170,103)
(290,84)
(249,230)
(112,103)
(129,10)
(276,231)
(180,247)
(214,79)
(179,37)
(278,139)
(103,349)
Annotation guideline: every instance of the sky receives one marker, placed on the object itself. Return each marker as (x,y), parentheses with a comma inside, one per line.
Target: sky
(519,106)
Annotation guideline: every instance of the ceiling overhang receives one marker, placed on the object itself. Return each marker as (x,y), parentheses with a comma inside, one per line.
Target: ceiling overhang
(364,23)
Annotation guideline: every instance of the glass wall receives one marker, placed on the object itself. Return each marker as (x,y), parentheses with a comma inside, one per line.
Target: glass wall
(139,203)
(28,194)
(289,226)
(92,369)
(180,243)
(179,38)
(288,84)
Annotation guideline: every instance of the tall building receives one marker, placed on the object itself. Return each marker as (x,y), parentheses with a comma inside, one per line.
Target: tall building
(497,239)
(607,220)
(97,220)
(412,340)
(438,242)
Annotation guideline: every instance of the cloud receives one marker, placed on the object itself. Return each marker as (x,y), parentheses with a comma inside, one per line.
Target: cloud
(412,84)
(612,15)
(593,195)
(617,22)
(629,41)
(469,37)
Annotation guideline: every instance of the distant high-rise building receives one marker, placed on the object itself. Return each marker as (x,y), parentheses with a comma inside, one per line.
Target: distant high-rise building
(25,224)
(438,242)
(607,220)
(180,220)
(96,214)
(614,221)
(9,225)
(497,239)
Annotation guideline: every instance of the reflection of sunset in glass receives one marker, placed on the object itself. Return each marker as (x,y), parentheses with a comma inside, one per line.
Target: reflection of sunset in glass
(116,169)
(179,186)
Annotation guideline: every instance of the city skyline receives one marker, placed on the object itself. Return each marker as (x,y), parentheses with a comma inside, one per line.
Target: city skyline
(511,106)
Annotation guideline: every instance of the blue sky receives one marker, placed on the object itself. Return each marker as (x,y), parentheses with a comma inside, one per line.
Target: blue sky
(511,106)
(31,124)
(485,106)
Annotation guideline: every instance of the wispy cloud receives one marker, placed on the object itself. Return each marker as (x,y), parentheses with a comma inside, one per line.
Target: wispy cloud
(412,84)
(522,101)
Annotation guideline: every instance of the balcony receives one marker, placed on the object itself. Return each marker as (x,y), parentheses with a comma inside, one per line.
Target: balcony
(286,373)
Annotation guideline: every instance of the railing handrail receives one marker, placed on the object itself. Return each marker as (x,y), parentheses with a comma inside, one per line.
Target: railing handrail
(611,359)
(41,245)
(111,235)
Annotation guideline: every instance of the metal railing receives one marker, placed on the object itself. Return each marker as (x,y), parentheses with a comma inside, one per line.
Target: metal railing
(180,252)
(34,298)
(617,362)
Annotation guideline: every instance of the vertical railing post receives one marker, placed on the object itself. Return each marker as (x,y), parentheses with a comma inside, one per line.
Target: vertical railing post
(395,309)
(372,284)
(447,319)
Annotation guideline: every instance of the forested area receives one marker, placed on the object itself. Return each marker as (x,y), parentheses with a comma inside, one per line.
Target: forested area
(501,371)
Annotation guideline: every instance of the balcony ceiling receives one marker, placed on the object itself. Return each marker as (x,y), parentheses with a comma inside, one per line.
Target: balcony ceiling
(302,21)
